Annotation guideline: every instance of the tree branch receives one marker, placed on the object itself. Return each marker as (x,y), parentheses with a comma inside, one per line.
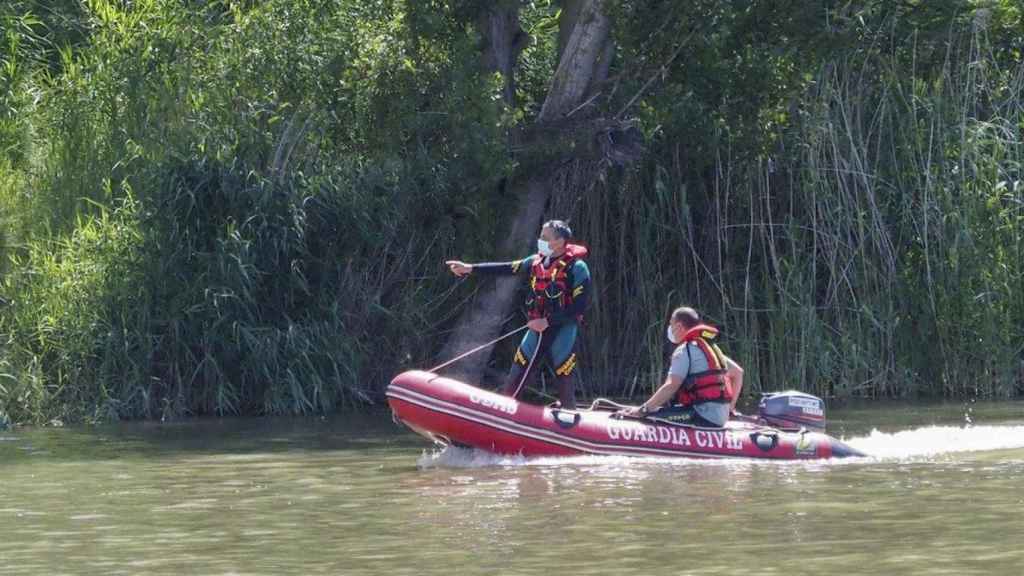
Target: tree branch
(659,72)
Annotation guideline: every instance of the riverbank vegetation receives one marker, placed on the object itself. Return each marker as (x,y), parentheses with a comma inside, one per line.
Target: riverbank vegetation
(243,207)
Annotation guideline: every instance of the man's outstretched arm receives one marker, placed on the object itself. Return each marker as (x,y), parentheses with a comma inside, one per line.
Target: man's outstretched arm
(460,268)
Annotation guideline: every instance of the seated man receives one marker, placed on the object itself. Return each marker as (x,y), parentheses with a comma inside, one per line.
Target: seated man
(703,384)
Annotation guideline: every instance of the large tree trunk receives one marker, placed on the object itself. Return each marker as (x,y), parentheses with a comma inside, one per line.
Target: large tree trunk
(503,40)
(567,22)
(577,68)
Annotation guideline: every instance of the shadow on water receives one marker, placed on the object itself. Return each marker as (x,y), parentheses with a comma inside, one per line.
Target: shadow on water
(206,436)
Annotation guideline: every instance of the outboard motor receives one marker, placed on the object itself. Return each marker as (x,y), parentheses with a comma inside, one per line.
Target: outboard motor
(792,409)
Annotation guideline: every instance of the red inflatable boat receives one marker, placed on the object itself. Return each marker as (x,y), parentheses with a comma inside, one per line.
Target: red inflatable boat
(790,426)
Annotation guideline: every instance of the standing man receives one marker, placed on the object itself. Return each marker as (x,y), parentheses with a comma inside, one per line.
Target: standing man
(559,292)
(702,385)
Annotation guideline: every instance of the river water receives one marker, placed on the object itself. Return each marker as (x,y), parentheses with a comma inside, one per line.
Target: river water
(943,493)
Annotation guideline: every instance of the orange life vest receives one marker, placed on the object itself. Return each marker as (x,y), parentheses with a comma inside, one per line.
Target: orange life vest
(550,288)
(710,385)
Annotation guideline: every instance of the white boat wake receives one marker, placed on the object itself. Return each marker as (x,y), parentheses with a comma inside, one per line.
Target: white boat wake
(924,442)
(938,440)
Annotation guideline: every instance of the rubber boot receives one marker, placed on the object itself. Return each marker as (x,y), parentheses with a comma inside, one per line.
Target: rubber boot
(512,380)
(567,392)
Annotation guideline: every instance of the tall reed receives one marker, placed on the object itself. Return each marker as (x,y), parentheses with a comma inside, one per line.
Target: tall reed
(876,253)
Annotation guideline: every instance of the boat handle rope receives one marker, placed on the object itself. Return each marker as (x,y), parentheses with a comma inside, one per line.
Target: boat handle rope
(606,404)
(479,348)
(519,386)
(526,373)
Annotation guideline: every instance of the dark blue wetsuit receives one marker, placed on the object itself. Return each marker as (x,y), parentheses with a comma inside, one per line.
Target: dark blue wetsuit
(557,343)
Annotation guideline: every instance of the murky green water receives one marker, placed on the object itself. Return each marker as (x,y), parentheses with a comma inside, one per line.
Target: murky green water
(358,496)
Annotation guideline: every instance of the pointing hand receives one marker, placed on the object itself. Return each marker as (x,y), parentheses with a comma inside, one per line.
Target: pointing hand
(459,268)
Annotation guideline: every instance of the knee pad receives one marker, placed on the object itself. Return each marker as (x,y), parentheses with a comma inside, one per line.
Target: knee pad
(566,368)
(520,358)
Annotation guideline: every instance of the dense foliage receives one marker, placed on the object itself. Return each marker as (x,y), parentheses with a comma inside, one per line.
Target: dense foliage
(242,206)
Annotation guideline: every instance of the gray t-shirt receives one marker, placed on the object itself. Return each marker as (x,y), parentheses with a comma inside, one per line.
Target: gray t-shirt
(684,363)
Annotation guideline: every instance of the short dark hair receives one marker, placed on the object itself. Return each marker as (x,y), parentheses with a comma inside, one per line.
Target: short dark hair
(560,228)
(688,317)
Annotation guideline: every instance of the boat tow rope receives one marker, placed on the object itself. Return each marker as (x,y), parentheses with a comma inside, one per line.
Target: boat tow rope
(479,348)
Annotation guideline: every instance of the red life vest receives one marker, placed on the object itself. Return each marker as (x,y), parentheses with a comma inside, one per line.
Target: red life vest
(710,385)
(550,288)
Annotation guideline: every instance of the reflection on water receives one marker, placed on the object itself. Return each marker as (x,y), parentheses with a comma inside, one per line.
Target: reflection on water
(361,496)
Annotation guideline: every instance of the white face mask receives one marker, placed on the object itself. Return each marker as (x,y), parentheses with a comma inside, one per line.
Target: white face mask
(543,247)
(671,337)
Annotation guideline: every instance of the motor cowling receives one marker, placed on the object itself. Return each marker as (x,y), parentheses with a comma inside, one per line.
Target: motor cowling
(792,409)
